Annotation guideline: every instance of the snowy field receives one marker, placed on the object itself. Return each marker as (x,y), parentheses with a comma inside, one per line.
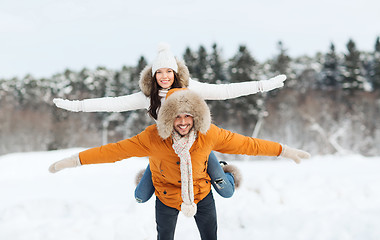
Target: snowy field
(324,198)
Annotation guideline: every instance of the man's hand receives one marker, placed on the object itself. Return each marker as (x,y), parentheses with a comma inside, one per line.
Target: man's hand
(295,154)
(69,162)
(273,83)
(74,106)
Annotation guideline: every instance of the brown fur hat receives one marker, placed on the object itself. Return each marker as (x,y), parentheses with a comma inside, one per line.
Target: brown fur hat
(179,101)
(146,77)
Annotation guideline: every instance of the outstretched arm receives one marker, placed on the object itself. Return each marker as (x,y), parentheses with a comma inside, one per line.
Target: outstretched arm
(234,90)
(109,153)
(234,143)
(107,104)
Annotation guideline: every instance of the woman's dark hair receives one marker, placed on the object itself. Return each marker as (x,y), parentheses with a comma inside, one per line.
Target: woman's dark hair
(155,99)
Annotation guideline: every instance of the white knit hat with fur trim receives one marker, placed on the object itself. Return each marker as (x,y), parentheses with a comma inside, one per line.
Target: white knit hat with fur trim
(164,59)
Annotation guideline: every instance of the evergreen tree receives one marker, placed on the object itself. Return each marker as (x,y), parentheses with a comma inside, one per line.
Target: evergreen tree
(133,84)
(119,85)
(101,81)
(3,92)
(63,87)
(136,121)
(242,66)
(28,92)
(352,79)
(201,66)
(124,76)
(330,72)
(245,110)
(74,85)
(219,109)
(216,64)
(281,63)
(190,59)
(375,76)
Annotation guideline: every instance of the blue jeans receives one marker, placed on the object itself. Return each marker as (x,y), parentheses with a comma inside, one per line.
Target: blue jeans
(222,182)
(205,218)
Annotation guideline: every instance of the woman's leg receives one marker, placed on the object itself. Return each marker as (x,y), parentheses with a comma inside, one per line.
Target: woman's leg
(145,188)
(223,182)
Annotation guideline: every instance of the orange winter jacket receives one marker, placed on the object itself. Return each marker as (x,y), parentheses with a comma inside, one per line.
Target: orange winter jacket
(165,164)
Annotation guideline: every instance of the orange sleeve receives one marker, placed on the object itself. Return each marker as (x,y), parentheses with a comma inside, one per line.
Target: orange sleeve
(234,143)
(132,147)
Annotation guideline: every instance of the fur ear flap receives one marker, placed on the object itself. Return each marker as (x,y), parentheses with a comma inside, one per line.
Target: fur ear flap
(145,80)
(183,73)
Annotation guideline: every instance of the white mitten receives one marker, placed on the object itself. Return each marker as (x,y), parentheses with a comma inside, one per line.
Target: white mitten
(69,162)
(295,154)
(273,83)
(74,106)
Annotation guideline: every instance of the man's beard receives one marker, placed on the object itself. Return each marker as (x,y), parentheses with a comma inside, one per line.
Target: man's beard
(186,133)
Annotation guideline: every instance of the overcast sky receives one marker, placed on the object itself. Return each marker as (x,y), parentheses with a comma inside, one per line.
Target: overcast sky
(43,37)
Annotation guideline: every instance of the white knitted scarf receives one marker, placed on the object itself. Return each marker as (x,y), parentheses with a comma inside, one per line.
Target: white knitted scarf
(181,146)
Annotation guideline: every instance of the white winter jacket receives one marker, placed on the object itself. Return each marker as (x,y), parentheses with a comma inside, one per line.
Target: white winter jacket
(141,99)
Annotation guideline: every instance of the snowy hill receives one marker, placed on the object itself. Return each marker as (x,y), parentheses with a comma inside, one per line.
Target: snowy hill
(325,198)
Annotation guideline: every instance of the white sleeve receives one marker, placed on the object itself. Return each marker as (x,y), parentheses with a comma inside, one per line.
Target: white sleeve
(223,91)
(116,104)
(234,90)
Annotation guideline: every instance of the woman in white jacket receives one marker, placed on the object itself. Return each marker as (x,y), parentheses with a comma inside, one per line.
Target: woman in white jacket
(168,72)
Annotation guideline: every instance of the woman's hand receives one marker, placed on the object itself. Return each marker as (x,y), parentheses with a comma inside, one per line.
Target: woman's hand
(74,106)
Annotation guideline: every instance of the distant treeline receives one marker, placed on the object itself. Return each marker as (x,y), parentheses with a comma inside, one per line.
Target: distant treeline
(330,102)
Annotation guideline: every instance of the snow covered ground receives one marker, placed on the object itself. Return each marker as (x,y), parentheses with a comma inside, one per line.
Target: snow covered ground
(324,198)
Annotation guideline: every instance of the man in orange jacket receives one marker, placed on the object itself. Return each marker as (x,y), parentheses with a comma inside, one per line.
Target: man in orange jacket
(178,147)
